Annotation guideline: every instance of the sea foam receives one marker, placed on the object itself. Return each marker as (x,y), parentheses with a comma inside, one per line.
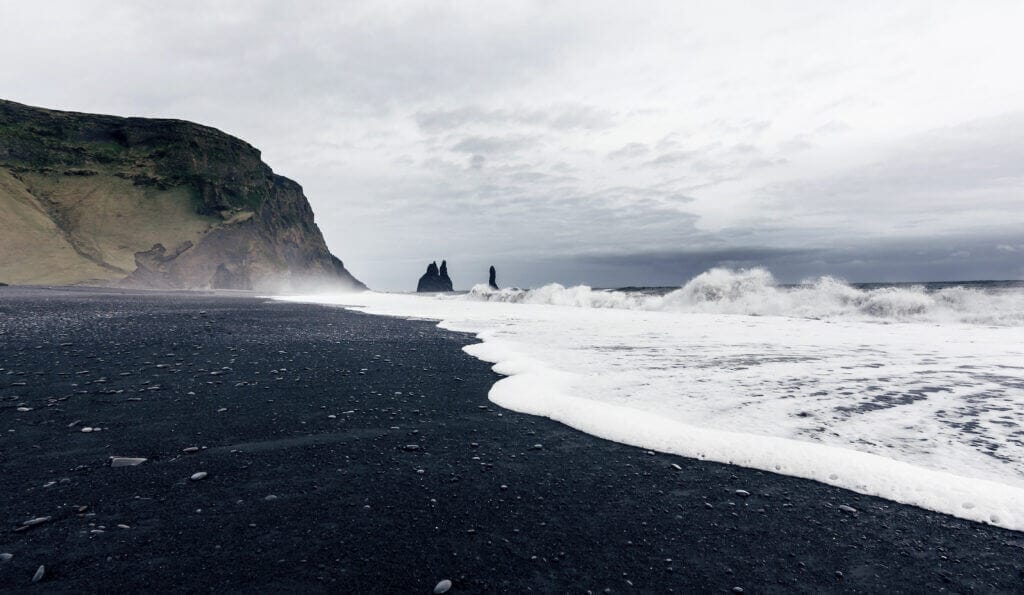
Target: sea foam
(755,292)
(925,409)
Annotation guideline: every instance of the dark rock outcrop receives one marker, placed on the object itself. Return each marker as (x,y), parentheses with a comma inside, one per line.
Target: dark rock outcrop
(435,279)
(492,279)
(95,198)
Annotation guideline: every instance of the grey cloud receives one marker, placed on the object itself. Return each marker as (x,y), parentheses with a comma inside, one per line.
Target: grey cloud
(493,144)
(832,127)
(629,151)
(758,126)
(744,149)
(919,181)
(795,144)
(671,158)
(558,118)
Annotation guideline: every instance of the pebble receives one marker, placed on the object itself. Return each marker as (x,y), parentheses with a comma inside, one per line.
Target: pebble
(849,509)
(190,449)
(742,493)
(737,589)
(198,476)
(538,446)
(5,557)
(40,573)
(36,521)
(411,447)
(442,587)
(269,498)
(126,461)
(676,467)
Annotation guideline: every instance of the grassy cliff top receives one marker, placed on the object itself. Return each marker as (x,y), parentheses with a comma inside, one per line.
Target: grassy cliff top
(226,172)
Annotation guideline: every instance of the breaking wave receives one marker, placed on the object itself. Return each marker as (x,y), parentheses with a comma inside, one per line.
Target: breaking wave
(754,292)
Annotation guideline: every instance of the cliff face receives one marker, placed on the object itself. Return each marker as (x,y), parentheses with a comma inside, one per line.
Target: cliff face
(154,203)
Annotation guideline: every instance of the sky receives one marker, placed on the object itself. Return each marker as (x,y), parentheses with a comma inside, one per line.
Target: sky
(606,143)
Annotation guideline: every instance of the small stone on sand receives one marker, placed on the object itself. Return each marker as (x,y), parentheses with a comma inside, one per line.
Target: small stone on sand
(742,493)
(126,461)
(198,476)
(36,521)
(442,587)
(40,573)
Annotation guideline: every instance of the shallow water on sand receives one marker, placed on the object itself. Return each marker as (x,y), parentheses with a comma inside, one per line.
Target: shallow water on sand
(910,393)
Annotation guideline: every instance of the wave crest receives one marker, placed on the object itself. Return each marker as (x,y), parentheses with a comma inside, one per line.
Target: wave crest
(754,292)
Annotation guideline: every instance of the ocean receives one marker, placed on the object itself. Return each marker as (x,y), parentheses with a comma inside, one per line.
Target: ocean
(912,391)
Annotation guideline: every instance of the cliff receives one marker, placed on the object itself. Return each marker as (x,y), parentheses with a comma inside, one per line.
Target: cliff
(95,199)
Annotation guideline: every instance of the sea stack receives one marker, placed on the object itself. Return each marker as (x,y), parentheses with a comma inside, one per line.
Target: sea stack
(435,279)
(492,279)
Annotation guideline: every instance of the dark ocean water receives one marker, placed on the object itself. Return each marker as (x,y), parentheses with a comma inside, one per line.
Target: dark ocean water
(927,286)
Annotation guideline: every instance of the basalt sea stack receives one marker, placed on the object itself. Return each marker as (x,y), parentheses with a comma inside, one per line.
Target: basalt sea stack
(492,278)
(435,279)
(93,199)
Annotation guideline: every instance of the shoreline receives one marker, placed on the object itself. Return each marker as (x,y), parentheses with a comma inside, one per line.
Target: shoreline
(351,508)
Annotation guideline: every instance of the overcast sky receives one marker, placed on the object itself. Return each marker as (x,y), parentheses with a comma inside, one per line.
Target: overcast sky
(611,143)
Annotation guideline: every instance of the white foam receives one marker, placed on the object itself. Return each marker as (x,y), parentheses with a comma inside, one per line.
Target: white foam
(755,292)
(921,413)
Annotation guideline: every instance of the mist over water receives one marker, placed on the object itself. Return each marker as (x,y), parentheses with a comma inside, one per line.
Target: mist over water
(909,392)
(755,292)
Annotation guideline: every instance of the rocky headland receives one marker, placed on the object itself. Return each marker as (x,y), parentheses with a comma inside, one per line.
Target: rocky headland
(154,203)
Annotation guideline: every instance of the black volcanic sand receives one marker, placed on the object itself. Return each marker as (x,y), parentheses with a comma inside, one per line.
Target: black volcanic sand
(354,453)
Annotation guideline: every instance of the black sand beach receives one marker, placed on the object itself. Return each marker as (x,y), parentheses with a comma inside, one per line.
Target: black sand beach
(352,453)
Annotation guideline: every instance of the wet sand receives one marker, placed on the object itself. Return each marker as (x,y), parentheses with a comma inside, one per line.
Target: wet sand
(347,452)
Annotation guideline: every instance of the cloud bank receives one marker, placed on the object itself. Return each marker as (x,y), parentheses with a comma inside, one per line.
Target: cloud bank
(600,143)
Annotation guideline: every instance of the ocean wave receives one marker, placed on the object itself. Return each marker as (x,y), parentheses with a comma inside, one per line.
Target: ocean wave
(925,414)
(755,292)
